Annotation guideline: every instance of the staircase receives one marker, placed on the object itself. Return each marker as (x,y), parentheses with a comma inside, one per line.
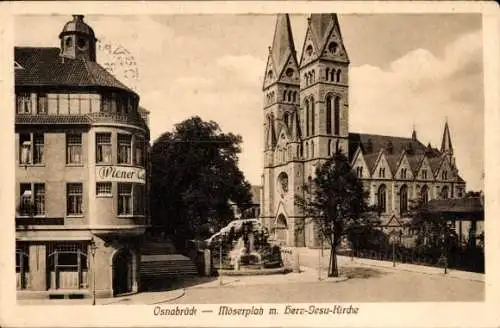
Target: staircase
(159,260)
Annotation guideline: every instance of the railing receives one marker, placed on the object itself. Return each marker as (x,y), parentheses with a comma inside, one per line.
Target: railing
(131,118)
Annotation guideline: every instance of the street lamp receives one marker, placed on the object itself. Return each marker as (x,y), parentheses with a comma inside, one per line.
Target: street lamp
(93,248)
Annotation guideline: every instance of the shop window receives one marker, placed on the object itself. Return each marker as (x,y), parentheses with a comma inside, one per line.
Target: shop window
(124,149)
(74,198)
(22,265)
(73,148)
(103,148)
(67,265)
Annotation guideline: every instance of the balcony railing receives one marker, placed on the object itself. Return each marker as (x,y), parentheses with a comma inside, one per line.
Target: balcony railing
(132,118)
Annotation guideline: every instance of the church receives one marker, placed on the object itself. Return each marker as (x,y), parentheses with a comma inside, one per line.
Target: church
(306,119)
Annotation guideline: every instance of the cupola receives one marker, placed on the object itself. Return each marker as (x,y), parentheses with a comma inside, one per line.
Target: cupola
(78,40)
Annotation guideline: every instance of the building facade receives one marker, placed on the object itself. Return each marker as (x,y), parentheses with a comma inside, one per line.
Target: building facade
(306,119)
(81,174)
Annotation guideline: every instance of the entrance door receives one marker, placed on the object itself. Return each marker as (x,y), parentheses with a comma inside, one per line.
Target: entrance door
(122,272)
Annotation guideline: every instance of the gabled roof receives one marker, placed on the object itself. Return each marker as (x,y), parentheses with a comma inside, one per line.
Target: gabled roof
(44,67)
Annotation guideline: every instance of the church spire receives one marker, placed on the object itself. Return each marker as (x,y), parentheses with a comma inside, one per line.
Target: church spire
(414,134)
(282,62)
(446,146)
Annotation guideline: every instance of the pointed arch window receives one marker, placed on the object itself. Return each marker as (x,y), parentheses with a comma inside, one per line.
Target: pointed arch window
(403,199)
(285,119)
(307,117)
(424,194)
(290,95)
(284,95)
(312,117)
(445,192)
(337,115)
(327,75)
(338,75)
(332,75)
(381,172)
(328,114)
(294,96)
(382,199)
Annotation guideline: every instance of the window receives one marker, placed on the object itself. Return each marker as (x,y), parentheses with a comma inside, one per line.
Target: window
(307,118)
(359,171)
(285,118)
(337,116)
(73,148)
(138,199)
(124,198)
(338,75)
(124,149)
(103,189)
(139,151)
(22,265)
(424,194)
(103,148)
(69,42)
(313,118)
(424,174)
(444,175)
(403,173)
(328,114)
(327,71)
(329,147)
(32,200)
(29,154)
(24,103)
(382,199)
(381,172)
(332,75)
(74,198)
(403,199)
(312,149)
(63,99)
(67,265)
(445,192)
(43,103)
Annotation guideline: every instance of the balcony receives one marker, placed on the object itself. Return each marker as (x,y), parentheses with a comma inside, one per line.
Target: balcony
(104,117)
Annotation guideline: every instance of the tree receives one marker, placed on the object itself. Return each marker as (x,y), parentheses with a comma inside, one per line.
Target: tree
(195,175)
(336,202)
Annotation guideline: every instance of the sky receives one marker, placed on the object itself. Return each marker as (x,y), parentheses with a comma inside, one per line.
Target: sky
(406,70)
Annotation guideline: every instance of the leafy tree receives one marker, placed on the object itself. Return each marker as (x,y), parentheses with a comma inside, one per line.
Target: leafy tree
(195,175)
(336,202)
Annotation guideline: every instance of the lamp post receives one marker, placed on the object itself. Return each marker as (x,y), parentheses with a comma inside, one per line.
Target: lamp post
(93,248)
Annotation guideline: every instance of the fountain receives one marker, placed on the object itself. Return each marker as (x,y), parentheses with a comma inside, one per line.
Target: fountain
(245,250)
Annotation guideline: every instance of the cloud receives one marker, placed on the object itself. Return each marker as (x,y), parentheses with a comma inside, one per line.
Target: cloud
(423,89)
(246,68)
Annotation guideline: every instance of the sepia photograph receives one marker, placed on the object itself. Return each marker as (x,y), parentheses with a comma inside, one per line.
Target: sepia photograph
(312,161)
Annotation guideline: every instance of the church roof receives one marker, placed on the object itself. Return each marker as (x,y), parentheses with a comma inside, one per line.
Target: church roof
(320,24)
(43,66)
(77,25)
(393,147)
(446,141)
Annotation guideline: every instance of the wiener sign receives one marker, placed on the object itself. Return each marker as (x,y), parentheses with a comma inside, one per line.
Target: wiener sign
(120,174)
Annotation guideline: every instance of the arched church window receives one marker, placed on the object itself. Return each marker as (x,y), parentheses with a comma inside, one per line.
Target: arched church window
(294,96)
(332,75)
(307,150)
(445,192)
(338,75)
(333,47)
(313,118)
(307,117)
(312,149)
(285,118)
(424,194)
(301,150)
(284,95)
(336,118)
(313,74)
(403,199)
(290,95)
(327,73)
(309,50)
(328,115)
(336,146)
(382,199)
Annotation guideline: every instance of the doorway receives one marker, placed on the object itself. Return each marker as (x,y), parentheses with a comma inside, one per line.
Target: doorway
(122,272)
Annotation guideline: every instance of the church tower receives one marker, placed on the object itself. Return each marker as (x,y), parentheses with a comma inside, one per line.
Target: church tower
(282,136)
(324,72)
(78,40)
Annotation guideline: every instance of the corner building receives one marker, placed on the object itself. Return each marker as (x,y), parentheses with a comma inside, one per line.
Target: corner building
(81,174)
(306,119)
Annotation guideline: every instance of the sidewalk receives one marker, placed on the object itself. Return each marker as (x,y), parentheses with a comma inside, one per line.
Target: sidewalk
(415,268)
(312,254)
(147,298)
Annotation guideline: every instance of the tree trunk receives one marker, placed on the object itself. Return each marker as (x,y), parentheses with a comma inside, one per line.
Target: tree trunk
(333,270)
